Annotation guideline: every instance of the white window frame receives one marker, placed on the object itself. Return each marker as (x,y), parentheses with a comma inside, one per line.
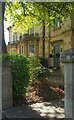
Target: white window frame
(15,36)
(56,24)
(31,52)
(22,50)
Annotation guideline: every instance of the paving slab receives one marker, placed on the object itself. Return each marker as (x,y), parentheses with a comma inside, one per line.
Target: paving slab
(21,112)
(51,109)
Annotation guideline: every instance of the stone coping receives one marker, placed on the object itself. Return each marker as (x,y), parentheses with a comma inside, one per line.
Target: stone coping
(67,56)
(6,63)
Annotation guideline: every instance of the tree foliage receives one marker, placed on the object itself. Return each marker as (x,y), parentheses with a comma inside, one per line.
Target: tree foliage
(25,15)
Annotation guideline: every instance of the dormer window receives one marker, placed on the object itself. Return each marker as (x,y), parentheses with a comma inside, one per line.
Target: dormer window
(56,23)
(31,31)
(21,35)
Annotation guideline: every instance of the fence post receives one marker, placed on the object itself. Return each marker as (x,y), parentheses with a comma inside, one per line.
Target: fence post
(68,59)
(7,94)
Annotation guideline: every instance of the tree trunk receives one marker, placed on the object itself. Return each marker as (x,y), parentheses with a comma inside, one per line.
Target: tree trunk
(3,39)
(72,26)
(43,26)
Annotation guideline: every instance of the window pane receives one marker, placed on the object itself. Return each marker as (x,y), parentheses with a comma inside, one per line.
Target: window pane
(22,50)
(14,37)
(31,48)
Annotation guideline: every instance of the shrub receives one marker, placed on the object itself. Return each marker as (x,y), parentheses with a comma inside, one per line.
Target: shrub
(43,74)
(23,69)
(37,71)
(34,67)
(44,62)
(20,72)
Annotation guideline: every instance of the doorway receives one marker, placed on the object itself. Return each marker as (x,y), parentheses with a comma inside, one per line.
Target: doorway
(57,56)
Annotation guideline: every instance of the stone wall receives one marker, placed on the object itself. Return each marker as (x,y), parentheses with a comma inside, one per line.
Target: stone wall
(7,94)
(25,42)
(68,59)
(61,36)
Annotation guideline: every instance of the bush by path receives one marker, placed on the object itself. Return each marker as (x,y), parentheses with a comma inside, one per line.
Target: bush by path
(20,73)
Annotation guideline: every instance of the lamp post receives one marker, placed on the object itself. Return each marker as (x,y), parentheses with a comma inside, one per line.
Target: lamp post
(3,39)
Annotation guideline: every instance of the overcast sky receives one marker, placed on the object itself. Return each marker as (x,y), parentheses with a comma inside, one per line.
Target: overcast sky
(6,36)
(6,32)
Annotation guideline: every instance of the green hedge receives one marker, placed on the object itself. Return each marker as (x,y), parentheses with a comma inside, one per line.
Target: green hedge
(25,69)
(37,70)
(34,67)
(44,62)
(20,73)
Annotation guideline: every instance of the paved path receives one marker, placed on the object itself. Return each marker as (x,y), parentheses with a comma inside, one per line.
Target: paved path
(52,109)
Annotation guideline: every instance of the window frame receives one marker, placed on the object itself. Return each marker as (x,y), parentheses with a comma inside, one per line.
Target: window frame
(28,49)
(22,50)
(56,23)
(15,37)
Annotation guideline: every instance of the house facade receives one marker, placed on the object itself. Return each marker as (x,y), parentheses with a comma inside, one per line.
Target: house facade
(57,40)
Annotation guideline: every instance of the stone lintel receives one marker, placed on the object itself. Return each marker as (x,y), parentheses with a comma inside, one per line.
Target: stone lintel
(55,41)
(67,56)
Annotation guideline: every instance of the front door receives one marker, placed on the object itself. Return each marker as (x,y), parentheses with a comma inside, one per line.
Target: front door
(57,56)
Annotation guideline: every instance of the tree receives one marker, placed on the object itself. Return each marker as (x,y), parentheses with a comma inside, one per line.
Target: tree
(3,41)
(24,15)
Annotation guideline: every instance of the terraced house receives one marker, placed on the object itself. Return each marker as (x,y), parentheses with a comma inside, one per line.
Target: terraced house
(57,40)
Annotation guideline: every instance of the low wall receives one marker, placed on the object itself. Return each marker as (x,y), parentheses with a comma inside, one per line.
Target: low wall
(7,95)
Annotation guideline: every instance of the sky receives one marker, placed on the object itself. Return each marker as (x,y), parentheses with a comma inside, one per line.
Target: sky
(6,32)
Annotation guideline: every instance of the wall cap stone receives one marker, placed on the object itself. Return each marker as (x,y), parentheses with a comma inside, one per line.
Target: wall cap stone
(67,56)
(6,63)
